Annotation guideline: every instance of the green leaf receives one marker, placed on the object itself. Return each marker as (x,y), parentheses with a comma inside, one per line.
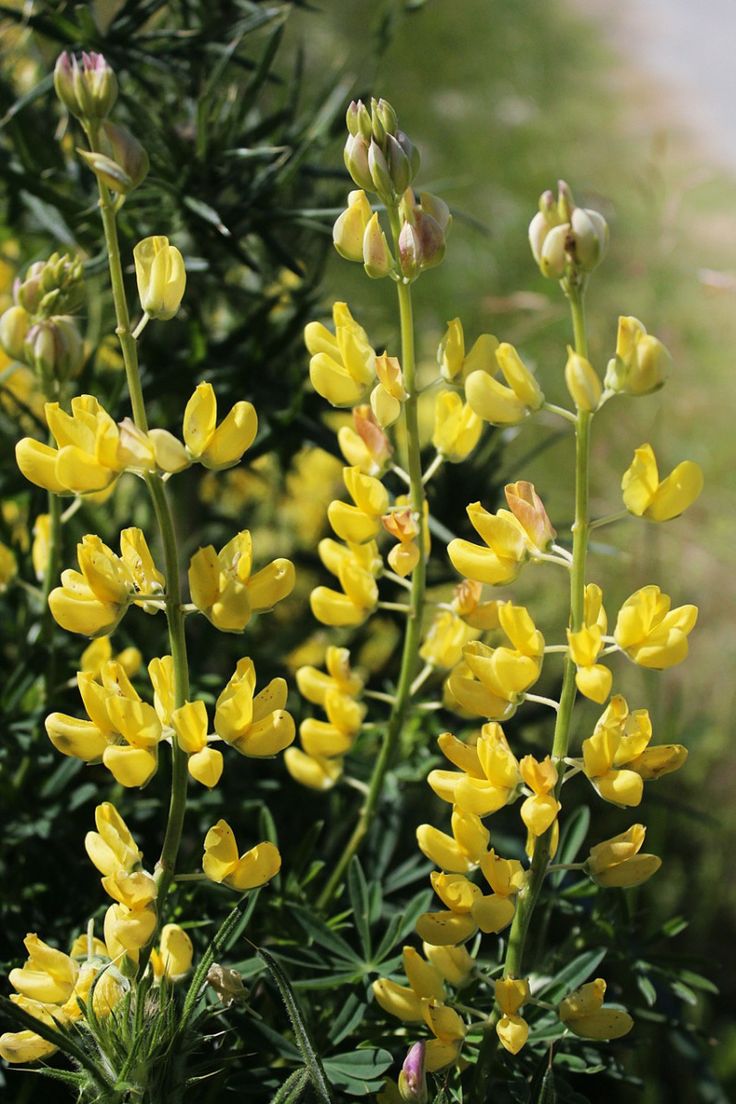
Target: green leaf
(311,1058)
(359,899)
(292,1088)
(325,936)
(359,1072)
(572,975)
(572,837)
(647,990)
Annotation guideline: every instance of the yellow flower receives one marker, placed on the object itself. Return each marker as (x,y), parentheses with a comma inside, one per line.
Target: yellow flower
(467,911)
(618,862)
(161,276)
(389,393)
(365,444)
(256,725)
(122,730)
(221,862)
(359,523)
(644,494)
(583,1013)
(454,964)
(457,428)
(652,634)
(453,362)
(582,381)
(217,447)
(87,457)
(356,567)
(111,848)
(512,1030)
(314,684)
(350,227)
(617,758)
(41,545)
(505,552)
(127,930)
(99,652)
(489,772)
(592,679)
(468,606)
(172,959)
(499,404)
(444,641)
(48,975)
(641,361)
(8,566)
(93,600)
(224,590)
(204,763)
(343,365)
(308,770)
(540,810)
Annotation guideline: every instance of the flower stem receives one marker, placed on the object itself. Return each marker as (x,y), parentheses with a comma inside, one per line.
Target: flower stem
(166,865)
(528,897)
(413,631)
(50,578)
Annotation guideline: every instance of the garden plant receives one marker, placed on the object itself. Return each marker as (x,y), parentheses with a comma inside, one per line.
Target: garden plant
(499,991)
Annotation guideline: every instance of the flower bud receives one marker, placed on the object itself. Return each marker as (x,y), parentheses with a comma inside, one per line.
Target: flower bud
(54,348)
(398,165)
(553,256)
(582,381)
(54,286)
(377,258)
(412,1079)
(88,90)
(14,326)
(561,234)
(641,361)
(348,231)
(383,113)
(122,164)
(590,232)
(161,276)
(358,120)
(379,170)
(356,161)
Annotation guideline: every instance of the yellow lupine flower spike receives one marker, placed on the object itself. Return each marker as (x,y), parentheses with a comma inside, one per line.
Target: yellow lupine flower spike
(644,494)
(224,590)
(583,1013)
(512,1029)
(652,634)
(343,365)
(204,763)
(161,276)
(221,862)
(618,861)
(217,447)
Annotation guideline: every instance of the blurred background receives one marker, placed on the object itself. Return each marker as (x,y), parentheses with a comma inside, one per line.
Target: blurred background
(632,104)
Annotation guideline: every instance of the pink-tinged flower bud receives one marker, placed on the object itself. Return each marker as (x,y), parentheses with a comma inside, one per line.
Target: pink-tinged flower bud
(14,326)
(54,348)
(377,258)
(88,90)
(398,165)
(410,150)
(412,1079)
(384,113)
(356,161)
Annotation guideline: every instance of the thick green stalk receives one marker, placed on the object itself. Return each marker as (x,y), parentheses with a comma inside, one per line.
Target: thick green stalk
(413,632)
(528,897)
(50,580)
(174,613)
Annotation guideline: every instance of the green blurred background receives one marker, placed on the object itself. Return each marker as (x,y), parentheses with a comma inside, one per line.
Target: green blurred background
(503,97)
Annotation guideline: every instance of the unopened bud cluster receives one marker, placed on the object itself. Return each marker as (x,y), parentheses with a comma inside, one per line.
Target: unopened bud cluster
(565,238)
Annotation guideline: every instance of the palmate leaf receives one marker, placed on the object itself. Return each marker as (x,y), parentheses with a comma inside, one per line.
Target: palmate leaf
(361,905)
(358,1072)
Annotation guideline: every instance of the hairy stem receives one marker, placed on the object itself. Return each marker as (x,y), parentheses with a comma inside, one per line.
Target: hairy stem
(528,897)
(413,631)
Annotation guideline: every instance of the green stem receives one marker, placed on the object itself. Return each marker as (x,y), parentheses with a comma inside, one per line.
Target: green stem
(413,632)
(50,579)
(162,507)
(528,897)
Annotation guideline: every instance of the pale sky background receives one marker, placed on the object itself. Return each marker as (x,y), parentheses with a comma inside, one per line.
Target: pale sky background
(691,46)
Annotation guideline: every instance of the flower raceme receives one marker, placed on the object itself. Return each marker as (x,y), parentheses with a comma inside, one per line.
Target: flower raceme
(224,590)
(650,632)
(161,276)
(644,494)
(222,863)
(343,364)
(93,600)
